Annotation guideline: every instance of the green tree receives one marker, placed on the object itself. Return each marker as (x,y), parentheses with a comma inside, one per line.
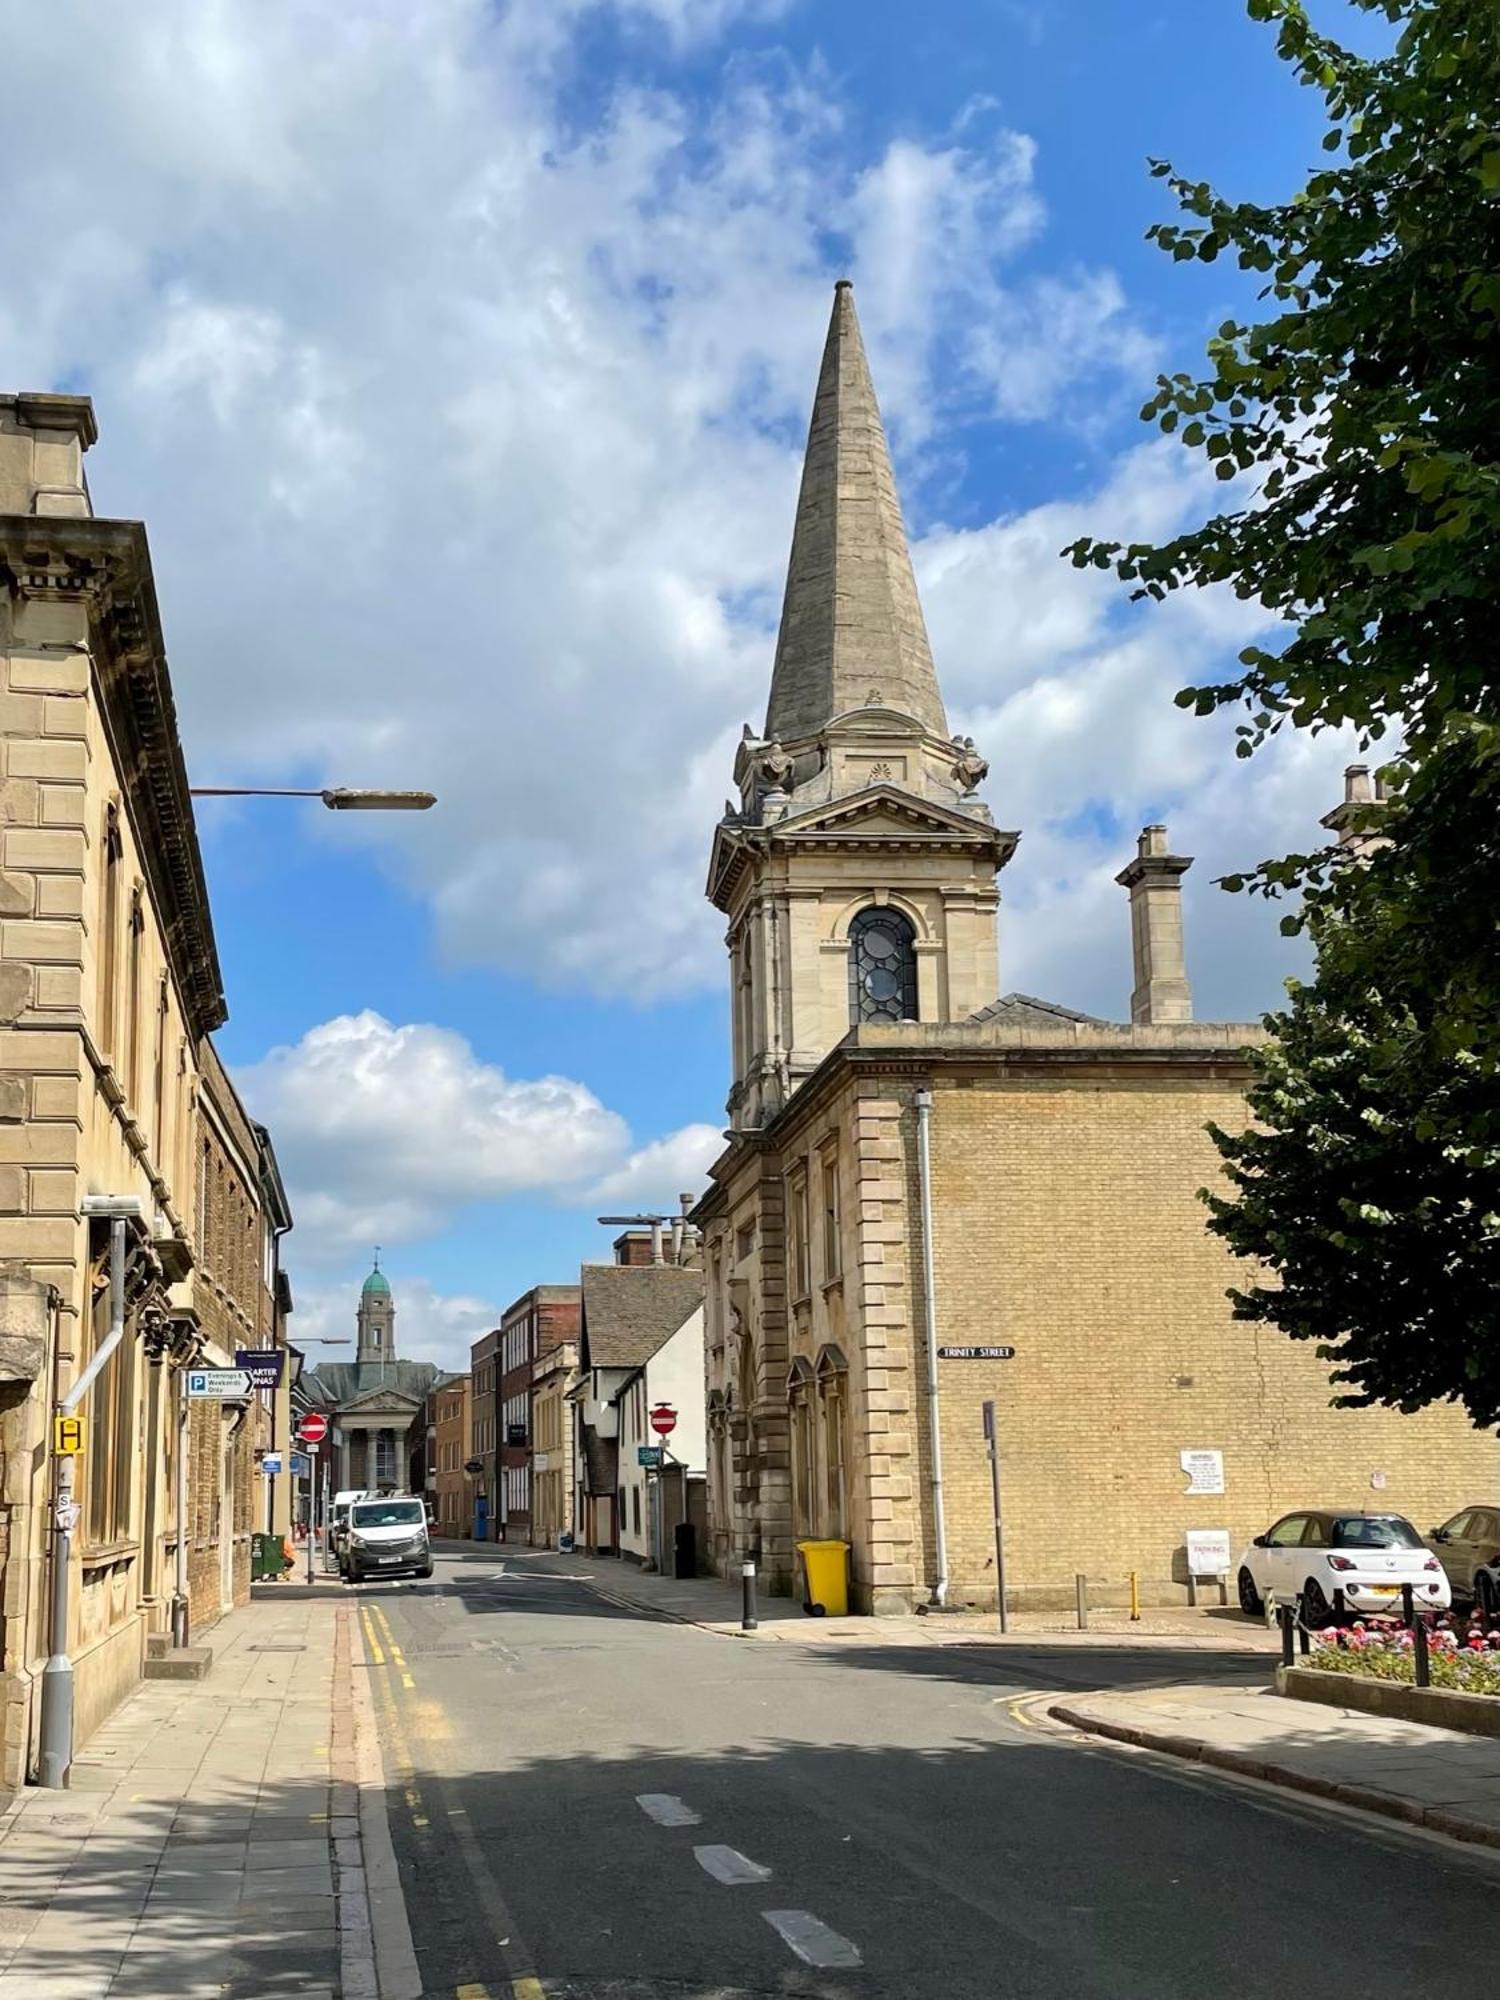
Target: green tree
(1361,418)
(1366,405)
(1370,1181)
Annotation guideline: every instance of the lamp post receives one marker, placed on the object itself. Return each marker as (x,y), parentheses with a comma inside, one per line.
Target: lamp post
(337,798)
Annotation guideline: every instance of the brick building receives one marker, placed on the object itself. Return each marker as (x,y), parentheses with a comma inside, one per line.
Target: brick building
(552,1446)
(484,1377)
(538,1321)
(450,1446)
(919,1171)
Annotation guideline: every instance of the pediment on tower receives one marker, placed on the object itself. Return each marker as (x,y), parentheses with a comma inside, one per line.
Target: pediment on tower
(884,812)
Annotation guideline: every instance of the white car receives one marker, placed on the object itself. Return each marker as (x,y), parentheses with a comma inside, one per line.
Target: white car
(1336,1556)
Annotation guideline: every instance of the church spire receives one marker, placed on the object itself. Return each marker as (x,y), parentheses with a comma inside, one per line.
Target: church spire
(852,634)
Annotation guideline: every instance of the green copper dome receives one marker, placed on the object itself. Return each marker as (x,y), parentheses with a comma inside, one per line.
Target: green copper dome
(375,1286)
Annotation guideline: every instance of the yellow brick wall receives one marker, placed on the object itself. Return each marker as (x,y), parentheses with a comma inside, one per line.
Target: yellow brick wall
(1067,1225)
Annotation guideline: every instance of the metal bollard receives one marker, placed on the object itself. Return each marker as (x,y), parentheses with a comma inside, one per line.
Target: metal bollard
(1421,1660)
(1286,1618)
(1408,1609)
(1081,1594)
(1135,1598)
(748,1620)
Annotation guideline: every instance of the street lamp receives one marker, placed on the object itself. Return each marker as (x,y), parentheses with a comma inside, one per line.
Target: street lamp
(337,798)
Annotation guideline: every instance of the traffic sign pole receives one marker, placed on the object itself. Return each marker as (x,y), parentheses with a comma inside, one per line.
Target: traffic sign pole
(992,1442)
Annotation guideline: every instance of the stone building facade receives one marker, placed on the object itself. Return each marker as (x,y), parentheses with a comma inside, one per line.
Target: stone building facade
(484,1375)
(918,1170)
(109,990)
(552,1446)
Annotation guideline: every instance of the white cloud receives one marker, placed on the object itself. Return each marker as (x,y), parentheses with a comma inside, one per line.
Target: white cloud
(464,404)
(430,1325)
(653,1177)
(387,1133)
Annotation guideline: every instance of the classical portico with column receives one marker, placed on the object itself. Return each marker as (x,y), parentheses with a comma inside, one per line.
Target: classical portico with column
(374,1404)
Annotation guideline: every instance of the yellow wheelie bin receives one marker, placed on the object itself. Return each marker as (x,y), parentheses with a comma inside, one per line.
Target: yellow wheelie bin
(825,1578)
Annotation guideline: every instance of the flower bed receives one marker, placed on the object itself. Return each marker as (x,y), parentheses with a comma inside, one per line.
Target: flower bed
(1465,1659)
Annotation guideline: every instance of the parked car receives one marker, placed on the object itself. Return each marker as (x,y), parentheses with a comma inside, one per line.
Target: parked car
(1324,1555)
(1465,1546)
(387,1537)
(338,1524)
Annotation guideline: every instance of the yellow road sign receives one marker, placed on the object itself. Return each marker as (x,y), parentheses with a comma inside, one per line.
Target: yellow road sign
(68,1436)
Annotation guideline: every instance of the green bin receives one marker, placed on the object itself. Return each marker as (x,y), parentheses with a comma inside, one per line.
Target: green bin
(267,1558)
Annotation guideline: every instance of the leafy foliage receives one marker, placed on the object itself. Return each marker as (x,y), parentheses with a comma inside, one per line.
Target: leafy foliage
(1370,1183)
(1361,417)
(1367,406)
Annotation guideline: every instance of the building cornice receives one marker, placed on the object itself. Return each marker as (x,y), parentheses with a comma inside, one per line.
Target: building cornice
(106,565)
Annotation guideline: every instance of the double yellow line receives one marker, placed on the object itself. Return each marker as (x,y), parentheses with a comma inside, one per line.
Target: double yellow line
(382,1644)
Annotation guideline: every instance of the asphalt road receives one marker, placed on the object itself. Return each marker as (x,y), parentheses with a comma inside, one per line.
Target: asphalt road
(589,1804)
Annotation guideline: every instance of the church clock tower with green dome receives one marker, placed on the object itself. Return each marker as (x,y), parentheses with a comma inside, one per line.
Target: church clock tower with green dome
(377,1318)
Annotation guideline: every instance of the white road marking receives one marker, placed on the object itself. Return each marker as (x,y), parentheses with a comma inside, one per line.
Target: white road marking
(812,1940)
(727,1864)
(667,1810)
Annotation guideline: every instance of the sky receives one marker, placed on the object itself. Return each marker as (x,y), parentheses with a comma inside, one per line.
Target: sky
(458,359)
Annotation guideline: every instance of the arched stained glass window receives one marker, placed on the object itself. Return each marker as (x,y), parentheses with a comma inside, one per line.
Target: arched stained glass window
(882,967)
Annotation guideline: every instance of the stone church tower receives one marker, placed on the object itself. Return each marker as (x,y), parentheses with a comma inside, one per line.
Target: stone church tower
(376,1319)
(932,1198)
(858,870)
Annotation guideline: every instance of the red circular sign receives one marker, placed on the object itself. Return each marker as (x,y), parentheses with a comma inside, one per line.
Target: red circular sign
(664,1420)
(313,1428)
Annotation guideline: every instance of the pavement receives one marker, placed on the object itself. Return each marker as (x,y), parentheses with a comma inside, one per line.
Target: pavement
(717,1606)
(208,1843)
(1437,1778)
(530,1780)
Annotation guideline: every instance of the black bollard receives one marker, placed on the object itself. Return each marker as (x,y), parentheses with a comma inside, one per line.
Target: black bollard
(748,1620)
(1286,1620)
(1422,1660)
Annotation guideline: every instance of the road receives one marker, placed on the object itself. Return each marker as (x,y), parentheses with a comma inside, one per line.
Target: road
(591,1804)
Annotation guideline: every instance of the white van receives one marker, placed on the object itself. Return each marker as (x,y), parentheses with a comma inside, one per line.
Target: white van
(386,1537)
(338,1524)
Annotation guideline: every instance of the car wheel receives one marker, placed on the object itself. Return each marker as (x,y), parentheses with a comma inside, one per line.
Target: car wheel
(1315,1606)
(1487,1595)
(1251,1601)
(425,1572)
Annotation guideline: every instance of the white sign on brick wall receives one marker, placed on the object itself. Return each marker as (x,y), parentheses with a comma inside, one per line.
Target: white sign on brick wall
(1208,1551)
(1205,1470)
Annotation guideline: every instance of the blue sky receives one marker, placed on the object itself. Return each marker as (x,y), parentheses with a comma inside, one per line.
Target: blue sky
(458,360)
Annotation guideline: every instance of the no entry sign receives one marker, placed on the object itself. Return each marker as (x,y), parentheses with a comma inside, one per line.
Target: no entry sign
(313,1428)
(664,1420)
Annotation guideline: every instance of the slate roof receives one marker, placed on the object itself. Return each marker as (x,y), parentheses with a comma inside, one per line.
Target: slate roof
(1023,1010)
(335,1385)
(630,1312)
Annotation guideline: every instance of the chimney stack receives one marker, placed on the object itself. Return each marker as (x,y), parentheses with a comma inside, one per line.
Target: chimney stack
(1351,819)
(1154,879)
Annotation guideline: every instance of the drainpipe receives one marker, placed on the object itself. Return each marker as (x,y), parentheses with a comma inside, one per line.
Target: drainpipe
(180,1558)
(929,1313)
(55,1733)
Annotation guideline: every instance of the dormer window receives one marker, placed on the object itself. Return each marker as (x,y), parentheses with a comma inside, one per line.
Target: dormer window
(882,967)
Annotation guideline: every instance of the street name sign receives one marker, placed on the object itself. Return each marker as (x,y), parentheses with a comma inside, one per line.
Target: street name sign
(976,1354)
(648,1454)
(218,1385)
(271,1463)
(262,1364)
